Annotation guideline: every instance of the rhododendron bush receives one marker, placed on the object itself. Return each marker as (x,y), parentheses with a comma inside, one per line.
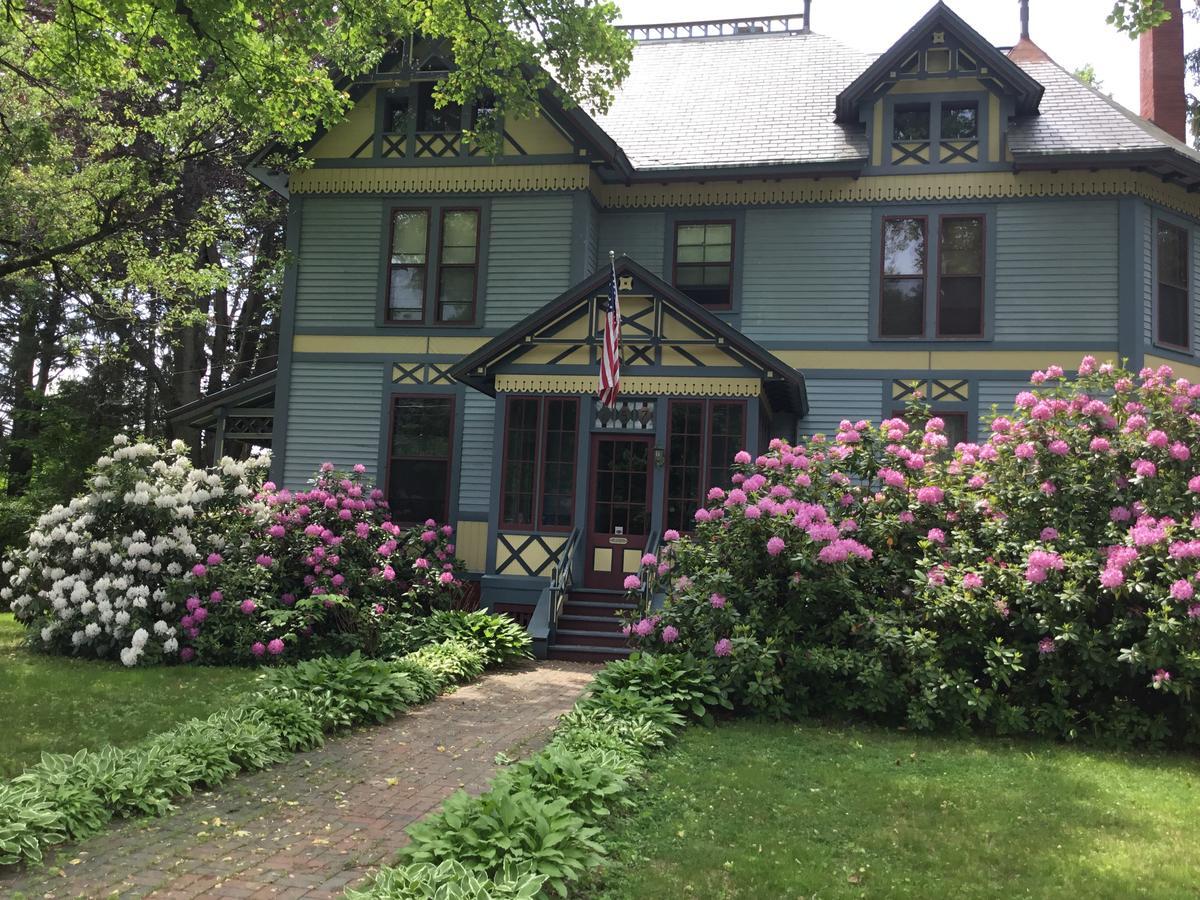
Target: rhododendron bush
(165,561)
(1043,580)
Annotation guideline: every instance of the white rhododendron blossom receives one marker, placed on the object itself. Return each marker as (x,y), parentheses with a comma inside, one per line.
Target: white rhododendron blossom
(97,575)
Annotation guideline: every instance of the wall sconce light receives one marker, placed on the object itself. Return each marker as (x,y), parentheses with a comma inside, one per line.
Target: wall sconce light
(660,457)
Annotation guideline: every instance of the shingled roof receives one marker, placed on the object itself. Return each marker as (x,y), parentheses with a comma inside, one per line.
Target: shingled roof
(741,103)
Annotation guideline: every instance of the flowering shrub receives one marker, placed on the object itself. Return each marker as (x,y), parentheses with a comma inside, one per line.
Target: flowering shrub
(1041,580)
(324,571)
(164,561)
(96,577)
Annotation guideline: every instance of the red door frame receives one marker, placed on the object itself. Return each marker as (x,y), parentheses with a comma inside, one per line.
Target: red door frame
(615,576)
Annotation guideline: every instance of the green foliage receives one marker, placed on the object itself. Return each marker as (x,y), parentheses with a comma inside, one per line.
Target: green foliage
(1137,16)
(500,637)
(367,689)
(508,825)
(450,661)
(451,880)
(67,797)
(593,783)
(1040,580)
(595,728)
(681,682)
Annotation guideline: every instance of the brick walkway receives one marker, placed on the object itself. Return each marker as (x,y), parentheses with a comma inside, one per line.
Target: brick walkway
(312,825)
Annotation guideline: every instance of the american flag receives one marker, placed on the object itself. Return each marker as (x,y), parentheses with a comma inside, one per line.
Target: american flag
(610,359)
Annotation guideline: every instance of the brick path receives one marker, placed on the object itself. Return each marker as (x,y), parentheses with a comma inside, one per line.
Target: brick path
(312,825)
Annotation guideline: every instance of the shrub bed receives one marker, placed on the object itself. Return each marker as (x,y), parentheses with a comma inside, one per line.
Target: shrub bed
(536,831)
(68,797)
(1042,580)
(162,561)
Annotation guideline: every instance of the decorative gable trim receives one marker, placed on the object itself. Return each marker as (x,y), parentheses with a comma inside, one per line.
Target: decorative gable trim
(439,180)
(907,59)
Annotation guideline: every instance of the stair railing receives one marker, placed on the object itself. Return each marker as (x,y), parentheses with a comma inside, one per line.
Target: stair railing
(562,578)
(644,593)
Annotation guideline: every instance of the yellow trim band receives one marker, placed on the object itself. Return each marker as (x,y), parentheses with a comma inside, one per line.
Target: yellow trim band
(681,385)
(1181,369)
(405,344)
(440,179)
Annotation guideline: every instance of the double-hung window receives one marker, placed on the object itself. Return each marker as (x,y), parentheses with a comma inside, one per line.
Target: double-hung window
(702,438)
(939,292)
(418,486)
(538,473)
(704,262)
(1172,288)
(433,253)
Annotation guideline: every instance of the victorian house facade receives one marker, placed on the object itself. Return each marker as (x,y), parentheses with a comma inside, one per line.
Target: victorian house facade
(802,233)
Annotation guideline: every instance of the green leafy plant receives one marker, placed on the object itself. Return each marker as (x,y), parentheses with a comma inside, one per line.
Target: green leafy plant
(499,636)
(450,661)
(451,880)
(592,782)
(681,682)
(369,689)
(508,825)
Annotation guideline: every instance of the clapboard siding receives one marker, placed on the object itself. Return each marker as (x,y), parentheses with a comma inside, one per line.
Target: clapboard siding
(1056,271)
(334,415)
(833,399)
(999,393)
(528,255)
(638,235)
(338,265)
(591,238)
(806,274)
(475,483)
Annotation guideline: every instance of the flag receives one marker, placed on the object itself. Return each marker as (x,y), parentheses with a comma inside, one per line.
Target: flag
(610,358)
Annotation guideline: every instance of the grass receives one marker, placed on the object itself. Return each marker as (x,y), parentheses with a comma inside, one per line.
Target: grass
(61,705)
(757,810)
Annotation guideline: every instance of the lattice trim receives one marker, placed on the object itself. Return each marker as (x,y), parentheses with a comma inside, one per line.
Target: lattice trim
(451,179)
(682,385)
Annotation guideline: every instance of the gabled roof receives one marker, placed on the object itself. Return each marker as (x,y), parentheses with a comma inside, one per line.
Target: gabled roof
(1026,90)
(783,385)
(203,411)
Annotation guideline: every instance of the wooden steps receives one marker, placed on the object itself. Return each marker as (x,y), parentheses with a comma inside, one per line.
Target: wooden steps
(589,629)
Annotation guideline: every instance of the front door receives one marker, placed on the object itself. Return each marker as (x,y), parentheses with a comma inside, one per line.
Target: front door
(618,526)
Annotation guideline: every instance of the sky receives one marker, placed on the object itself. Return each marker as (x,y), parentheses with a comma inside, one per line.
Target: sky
(1072,32)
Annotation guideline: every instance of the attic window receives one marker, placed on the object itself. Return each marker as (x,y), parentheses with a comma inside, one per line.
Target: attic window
(937,62)
(395,114)
(912,65)
(960,121)
(910,122)
(432,118)
(966,62)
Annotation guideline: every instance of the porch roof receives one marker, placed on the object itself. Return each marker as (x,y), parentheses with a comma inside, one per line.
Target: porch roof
(782,385)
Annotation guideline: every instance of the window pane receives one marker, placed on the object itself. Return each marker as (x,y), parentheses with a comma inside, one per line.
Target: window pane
(558,476)
(1173,288)
(962,246)
(456,295)
(718,233)
(904,246)
(684,477)
(903,308)
(689,234)
(910,123)
(421,427)
(727,435)
(409,228)
(960,306)
(686,276)
(406,293)
(716,276)
(959,121)
(395,117)
(520,461)
(718,253)
(690,253)
(956,428)
(419,469)
(459,236)
(429,118)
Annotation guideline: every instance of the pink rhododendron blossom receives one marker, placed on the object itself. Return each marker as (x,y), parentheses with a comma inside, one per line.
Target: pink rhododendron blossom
(428,537)
(971,581)
(1182,589)
(263,560)
(723,647)
(643,628)
(716,601)
(632,583)
(1112,578)
(1049,534)
(248,606)
(1144,468)
(198,570)
(1025,451)
(670,634)
(258,648)
(1046,646)
(930,494)
(936,535)
(192,604)
(446,578)
(1100,445)
(649,559)
(275,647)
(741,457)
(775,546)
(670,535)
(1162,676)
(703,515)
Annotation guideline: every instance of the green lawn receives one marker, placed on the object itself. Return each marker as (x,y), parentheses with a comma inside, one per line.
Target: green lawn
(62,705)
(760,810)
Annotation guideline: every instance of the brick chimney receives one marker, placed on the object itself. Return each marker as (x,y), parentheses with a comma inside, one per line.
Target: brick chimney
(1162,74)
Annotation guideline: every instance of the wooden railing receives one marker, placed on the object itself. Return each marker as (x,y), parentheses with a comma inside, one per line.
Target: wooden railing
(645,596)
(562,579)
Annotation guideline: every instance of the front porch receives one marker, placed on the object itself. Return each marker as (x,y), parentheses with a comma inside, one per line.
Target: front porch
(582,492)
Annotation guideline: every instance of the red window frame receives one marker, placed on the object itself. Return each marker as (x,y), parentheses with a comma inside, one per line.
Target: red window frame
(442,266)
(732,223)
(884,278)
(706,440)
(539,462)
(1186,287)
(390,265)
(981,275)
(449,457)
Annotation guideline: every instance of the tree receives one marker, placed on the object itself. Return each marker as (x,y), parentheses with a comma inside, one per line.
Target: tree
(131,240)
(1087,74)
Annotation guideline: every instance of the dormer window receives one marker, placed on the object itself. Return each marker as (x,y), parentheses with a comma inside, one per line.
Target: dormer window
(960,121)
(431,118)
(910,122)
(935,132)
